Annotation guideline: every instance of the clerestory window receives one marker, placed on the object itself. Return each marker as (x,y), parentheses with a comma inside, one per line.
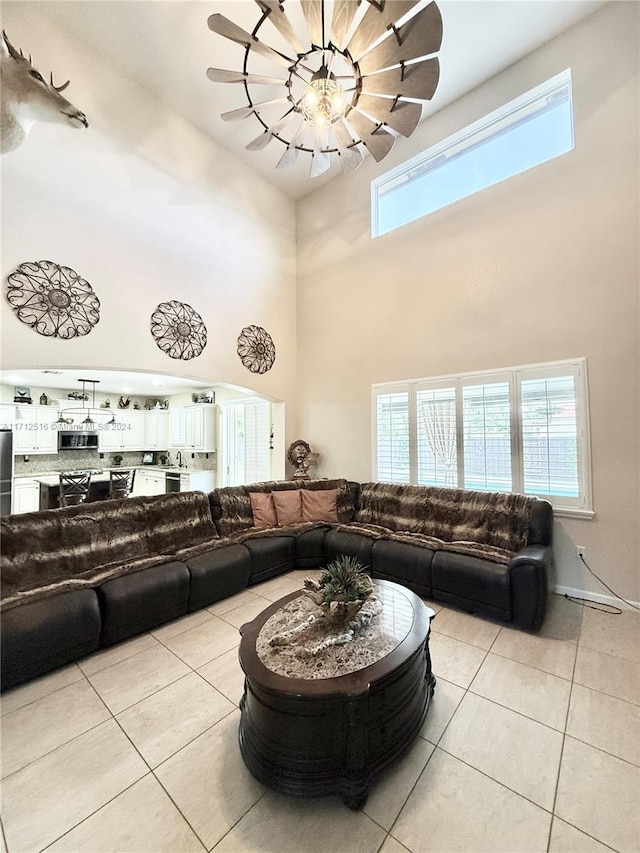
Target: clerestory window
(524,133)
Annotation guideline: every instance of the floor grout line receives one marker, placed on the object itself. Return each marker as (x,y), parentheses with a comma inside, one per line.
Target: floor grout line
(387,832)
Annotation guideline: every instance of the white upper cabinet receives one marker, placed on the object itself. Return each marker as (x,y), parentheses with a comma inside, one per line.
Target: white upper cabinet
(156,430)
(7,415)
(127,433)
(35,429)
(195,428)
(200,428)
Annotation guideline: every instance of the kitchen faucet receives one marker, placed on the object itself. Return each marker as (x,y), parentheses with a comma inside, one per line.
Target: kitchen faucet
(179,458)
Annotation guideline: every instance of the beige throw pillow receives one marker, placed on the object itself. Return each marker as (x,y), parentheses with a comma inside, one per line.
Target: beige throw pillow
(319,505)
(288,507)
(263,509)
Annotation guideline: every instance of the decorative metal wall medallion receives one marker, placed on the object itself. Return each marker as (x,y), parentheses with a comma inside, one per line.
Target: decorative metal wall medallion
(178,330)
(256,349)
(52,299)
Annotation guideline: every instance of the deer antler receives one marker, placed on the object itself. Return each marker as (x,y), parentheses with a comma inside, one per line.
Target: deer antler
(59,88)
(12,51)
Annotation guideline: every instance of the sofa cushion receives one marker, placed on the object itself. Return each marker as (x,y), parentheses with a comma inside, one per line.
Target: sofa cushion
(409,565)
(270,556)
(344,543)
(218,574)
(319,505)
(263,510)
(471,579)
(310,548)
(44,635)
(137,602)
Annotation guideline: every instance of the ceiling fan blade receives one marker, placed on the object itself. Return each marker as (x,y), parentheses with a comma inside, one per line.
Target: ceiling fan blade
(343,14)
(265,138)
(421,35)
(419,80)
(218,75)
(351,159)
(226,28)
(321,159)
(401,116)
(291,154)
(320,162)
(343,136)
(375,23)
(245,112)
(377,140)
(281,23)
(313,12)
(288,158)
(350,155)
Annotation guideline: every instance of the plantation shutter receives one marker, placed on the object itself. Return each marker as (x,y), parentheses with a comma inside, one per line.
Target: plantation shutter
(521,429)
(257,432)
(550,436)
(392,432)
(486,435)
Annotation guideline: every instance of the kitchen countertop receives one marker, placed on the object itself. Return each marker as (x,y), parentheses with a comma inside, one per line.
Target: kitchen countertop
(104,472)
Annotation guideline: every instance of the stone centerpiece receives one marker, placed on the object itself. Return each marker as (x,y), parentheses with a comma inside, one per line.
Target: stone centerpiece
(308,636)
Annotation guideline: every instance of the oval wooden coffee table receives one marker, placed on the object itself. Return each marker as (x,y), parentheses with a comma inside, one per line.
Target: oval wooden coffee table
(310,737)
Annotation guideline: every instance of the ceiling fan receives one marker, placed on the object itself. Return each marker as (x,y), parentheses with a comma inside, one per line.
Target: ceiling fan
(359,82)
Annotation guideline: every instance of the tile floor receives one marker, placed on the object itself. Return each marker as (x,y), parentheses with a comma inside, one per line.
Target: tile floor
(532,744)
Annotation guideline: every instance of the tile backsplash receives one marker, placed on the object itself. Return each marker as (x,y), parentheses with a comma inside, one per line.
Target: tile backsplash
(80,460)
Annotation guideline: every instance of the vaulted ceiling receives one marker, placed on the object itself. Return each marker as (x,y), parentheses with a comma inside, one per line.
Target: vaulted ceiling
(166,47)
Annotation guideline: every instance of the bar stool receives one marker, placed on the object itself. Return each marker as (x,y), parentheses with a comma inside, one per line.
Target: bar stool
(74,488)
(121,483)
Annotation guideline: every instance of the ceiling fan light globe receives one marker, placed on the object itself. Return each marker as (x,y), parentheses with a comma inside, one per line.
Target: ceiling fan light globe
(311,98)
(338,103)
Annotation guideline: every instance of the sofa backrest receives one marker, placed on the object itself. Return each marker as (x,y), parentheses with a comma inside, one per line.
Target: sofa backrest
(50,546)
(501,519)
(231,506)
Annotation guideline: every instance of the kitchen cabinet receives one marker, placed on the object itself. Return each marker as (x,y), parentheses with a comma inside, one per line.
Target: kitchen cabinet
(156,430)
(202,481)
(195,428)
(35,430)
(7,416)
(127,433)
(26,495)
(149,481)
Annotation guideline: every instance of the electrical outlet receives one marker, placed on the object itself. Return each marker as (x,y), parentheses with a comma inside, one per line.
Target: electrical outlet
(581,552)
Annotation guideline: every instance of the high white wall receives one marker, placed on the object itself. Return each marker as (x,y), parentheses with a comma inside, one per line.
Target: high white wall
(147,209)
(541,267)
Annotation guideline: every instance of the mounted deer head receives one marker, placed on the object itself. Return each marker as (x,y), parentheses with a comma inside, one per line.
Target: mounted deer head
(28,98)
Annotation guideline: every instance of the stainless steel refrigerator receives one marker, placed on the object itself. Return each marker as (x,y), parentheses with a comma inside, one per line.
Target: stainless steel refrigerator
(6,470)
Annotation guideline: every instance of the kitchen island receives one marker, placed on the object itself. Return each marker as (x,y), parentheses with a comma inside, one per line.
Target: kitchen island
(149,480)
(50,489)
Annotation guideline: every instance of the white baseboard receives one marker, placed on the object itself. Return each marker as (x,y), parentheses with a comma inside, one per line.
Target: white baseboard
(596,597)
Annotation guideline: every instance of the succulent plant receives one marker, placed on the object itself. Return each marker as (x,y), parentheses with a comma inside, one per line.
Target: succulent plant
(343,582)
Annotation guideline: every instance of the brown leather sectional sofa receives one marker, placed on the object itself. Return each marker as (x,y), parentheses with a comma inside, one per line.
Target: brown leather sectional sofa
(83,577)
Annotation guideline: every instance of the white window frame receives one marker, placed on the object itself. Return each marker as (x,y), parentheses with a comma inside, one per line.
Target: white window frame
(475,133)
(581,507)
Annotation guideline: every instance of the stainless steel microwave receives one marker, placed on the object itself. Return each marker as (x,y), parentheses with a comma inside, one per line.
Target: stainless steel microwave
(68,440)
